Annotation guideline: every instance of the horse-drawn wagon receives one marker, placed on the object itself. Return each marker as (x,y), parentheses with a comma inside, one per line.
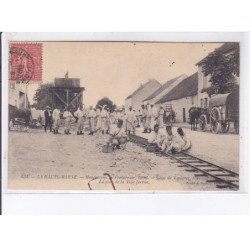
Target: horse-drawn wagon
(222,111)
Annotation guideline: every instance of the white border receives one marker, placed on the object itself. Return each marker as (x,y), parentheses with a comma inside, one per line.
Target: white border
(34,203)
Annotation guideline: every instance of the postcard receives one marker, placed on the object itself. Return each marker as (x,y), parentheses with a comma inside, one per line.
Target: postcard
(121,115)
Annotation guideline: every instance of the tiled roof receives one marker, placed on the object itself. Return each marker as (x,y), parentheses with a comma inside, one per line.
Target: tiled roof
(143,86)
(163,87)
(187,87)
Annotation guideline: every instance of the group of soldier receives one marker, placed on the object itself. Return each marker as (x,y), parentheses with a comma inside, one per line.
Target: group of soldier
(119,124)
(165,140)
(99,119)
(102,119)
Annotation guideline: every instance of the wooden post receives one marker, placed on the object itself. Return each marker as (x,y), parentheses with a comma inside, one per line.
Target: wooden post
(81,101)
(67,98)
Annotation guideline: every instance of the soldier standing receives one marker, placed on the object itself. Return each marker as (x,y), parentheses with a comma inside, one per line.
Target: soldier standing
(143,118)
(48,119)
(80,114)
(138,118)
(112,120)
(98,118)
(56,120)
(68,117)
(148,119)
(154,116)
(91,116)
(130,120)
(104,120)
(161,116)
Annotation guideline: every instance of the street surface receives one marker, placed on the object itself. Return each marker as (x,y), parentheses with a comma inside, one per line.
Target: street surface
(220,149)
(39,160)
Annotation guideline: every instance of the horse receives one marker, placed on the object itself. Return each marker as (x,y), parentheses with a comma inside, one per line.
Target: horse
(168,117)
(24,114)
(194,115)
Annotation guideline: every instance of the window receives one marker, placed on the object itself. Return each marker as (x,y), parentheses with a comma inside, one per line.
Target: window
(192,100)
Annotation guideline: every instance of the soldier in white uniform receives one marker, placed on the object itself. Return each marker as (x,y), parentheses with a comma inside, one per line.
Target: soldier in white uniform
(98,118)
(56,120)
(112,120)
(104,120)
(138,118)
(118,136)
(130,120)
(80,114)
(143,118)
(112,117)
(161,117)
(148,119)
(167,143)
(68,118)
(180,142)
(157,137)
(91,116)
(154,116)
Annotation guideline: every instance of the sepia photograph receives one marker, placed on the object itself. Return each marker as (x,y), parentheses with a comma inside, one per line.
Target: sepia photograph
(123,116)
(124,124)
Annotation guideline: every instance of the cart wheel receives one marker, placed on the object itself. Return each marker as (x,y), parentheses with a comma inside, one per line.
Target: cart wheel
(225,125)
(215,118)
(203,122)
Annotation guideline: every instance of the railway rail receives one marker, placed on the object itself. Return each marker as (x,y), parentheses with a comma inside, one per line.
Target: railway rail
(222,177)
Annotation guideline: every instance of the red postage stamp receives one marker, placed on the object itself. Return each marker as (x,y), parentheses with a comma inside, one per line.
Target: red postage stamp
(25,62)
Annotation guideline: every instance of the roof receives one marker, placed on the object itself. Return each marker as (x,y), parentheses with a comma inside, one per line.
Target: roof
(218,100)
(187,87)
(143,86)
(231,100)
(67,82)
(163,87)
(223,48)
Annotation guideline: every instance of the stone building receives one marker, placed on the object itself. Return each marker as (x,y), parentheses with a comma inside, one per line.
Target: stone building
(164,89)
(182,97)
(17,95)
(136,98)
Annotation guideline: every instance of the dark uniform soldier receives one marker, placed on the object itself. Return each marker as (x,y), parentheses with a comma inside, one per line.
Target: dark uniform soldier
(48,119)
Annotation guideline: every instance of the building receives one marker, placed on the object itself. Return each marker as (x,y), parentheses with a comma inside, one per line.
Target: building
(164,89)
(136,98)
(203,81)
(17,95)
(182,97)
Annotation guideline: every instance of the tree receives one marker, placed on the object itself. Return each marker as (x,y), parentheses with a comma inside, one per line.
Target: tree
(43,96)
(106,101)
(223,69)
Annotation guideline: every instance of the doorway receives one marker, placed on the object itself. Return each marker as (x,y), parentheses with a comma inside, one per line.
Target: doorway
(184,114)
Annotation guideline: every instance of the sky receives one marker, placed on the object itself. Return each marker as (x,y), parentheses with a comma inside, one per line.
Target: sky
(116,69)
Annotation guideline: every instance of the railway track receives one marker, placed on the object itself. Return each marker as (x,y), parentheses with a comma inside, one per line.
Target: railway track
(222,177)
